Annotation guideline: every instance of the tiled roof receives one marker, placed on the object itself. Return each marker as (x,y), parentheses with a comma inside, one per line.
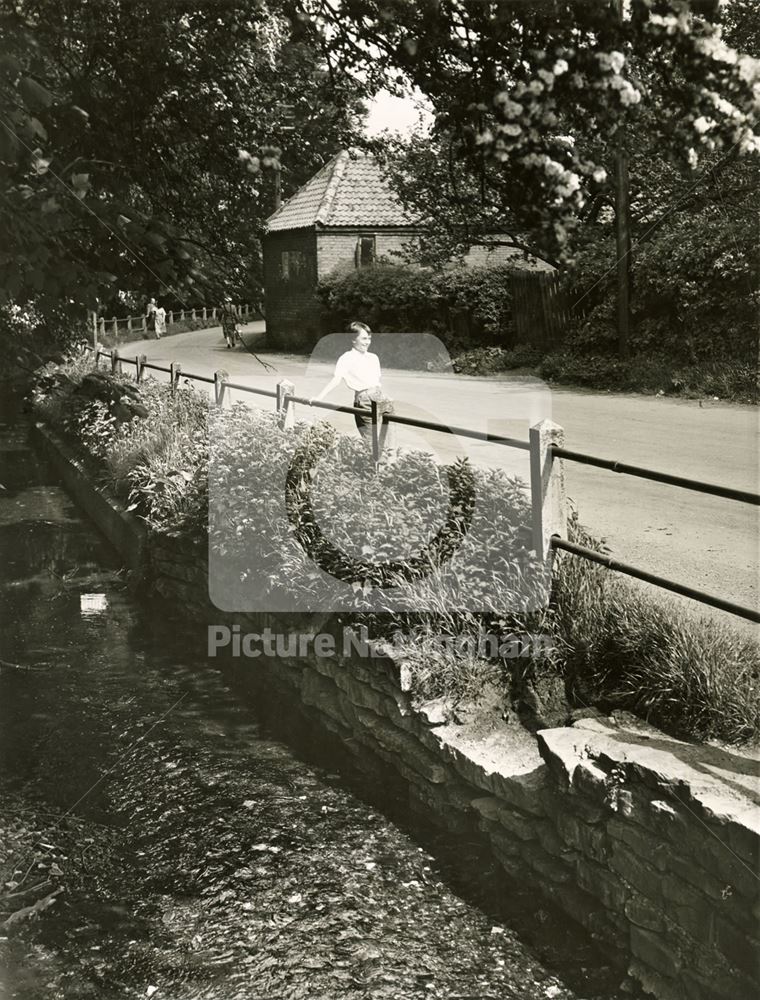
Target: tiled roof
(350,190)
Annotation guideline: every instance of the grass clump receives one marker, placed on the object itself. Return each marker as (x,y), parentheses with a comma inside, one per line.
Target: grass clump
(695,678)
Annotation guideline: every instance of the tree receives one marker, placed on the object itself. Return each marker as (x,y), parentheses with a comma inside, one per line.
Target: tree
(138,140)
(695,267)
(517,85)
(458,204)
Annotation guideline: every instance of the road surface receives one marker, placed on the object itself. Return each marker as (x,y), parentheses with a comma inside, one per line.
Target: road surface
(701,541)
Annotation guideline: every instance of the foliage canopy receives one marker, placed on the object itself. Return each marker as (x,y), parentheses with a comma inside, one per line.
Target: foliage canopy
(531,97)
(139,142)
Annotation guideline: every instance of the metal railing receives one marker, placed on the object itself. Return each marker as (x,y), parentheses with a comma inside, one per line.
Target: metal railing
(657,477)
(545,445)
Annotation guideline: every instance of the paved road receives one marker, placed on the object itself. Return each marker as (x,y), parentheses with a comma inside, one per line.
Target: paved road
(704,542)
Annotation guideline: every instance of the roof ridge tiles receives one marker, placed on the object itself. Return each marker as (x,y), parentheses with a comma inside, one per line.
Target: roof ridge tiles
(338,170)
(350,190)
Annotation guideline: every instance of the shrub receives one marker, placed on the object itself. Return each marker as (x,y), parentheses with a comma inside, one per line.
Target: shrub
(694,288)
(481,361)
(484,296)
(376,520)
(468,305)
(488,360)
(389,297)
(726,380)
(584,370)
(153,464)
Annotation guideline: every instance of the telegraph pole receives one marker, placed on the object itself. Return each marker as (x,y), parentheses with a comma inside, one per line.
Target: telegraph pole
(622,227)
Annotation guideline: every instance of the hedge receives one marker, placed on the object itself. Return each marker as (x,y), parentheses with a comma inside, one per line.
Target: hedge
(460,305)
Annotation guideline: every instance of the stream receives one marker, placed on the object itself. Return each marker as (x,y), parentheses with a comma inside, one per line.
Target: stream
(166,833)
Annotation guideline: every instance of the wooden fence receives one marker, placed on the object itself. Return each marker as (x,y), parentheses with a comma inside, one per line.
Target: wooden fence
(117,328)
(539,309)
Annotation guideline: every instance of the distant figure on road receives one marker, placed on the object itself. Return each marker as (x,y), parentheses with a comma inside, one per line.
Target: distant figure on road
(150,316)
(159,321)
(229,315)
(360,370)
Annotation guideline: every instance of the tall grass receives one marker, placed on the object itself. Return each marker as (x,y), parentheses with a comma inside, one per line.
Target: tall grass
(694,677)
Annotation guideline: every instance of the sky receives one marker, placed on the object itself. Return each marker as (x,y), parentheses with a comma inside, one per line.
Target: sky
(399,114)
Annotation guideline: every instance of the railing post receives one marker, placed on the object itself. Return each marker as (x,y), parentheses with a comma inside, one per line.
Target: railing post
(182,315)
(140,362)
(192,314)
(175,370)
(220,386)
(115,360)
(115,327)
(285,390)
(547,487)
(204,313)
(144,324)
(102,327)
(213,313)
(171,317)
(377,448)
(129,324)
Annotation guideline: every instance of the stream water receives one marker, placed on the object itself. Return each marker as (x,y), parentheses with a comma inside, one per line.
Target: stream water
(164,834)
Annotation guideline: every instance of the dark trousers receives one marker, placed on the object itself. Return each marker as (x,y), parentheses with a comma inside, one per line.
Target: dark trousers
(364,400)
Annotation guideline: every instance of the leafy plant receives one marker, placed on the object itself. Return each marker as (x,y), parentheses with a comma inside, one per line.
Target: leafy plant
(459,304)
(614,646)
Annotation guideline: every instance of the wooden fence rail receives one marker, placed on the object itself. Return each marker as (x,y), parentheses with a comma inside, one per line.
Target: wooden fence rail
(101,326)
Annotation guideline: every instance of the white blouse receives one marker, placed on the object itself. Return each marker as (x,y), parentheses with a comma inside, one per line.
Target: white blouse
(359,370)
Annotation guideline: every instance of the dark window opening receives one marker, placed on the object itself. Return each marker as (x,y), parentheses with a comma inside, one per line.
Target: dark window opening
(365,251)
(293,265)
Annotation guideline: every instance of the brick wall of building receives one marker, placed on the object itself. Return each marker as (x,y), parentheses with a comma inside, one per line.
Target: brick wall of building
(336,251)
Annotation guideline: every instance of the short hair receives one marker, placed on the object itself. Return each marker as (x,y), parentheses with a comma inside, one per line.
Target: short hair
(356,328)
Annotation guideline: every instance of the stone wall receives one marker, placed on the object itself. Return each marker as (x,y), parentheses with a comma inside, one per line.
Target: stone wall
(650,843)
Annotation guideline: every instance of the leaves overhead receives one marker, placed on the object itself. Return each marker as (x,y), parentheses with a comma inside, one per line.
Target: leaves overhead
(536,93)
(121,133)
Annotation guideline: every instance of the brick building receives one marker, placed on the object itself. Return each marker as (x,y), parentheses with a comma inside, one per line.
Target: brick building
(344,218)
